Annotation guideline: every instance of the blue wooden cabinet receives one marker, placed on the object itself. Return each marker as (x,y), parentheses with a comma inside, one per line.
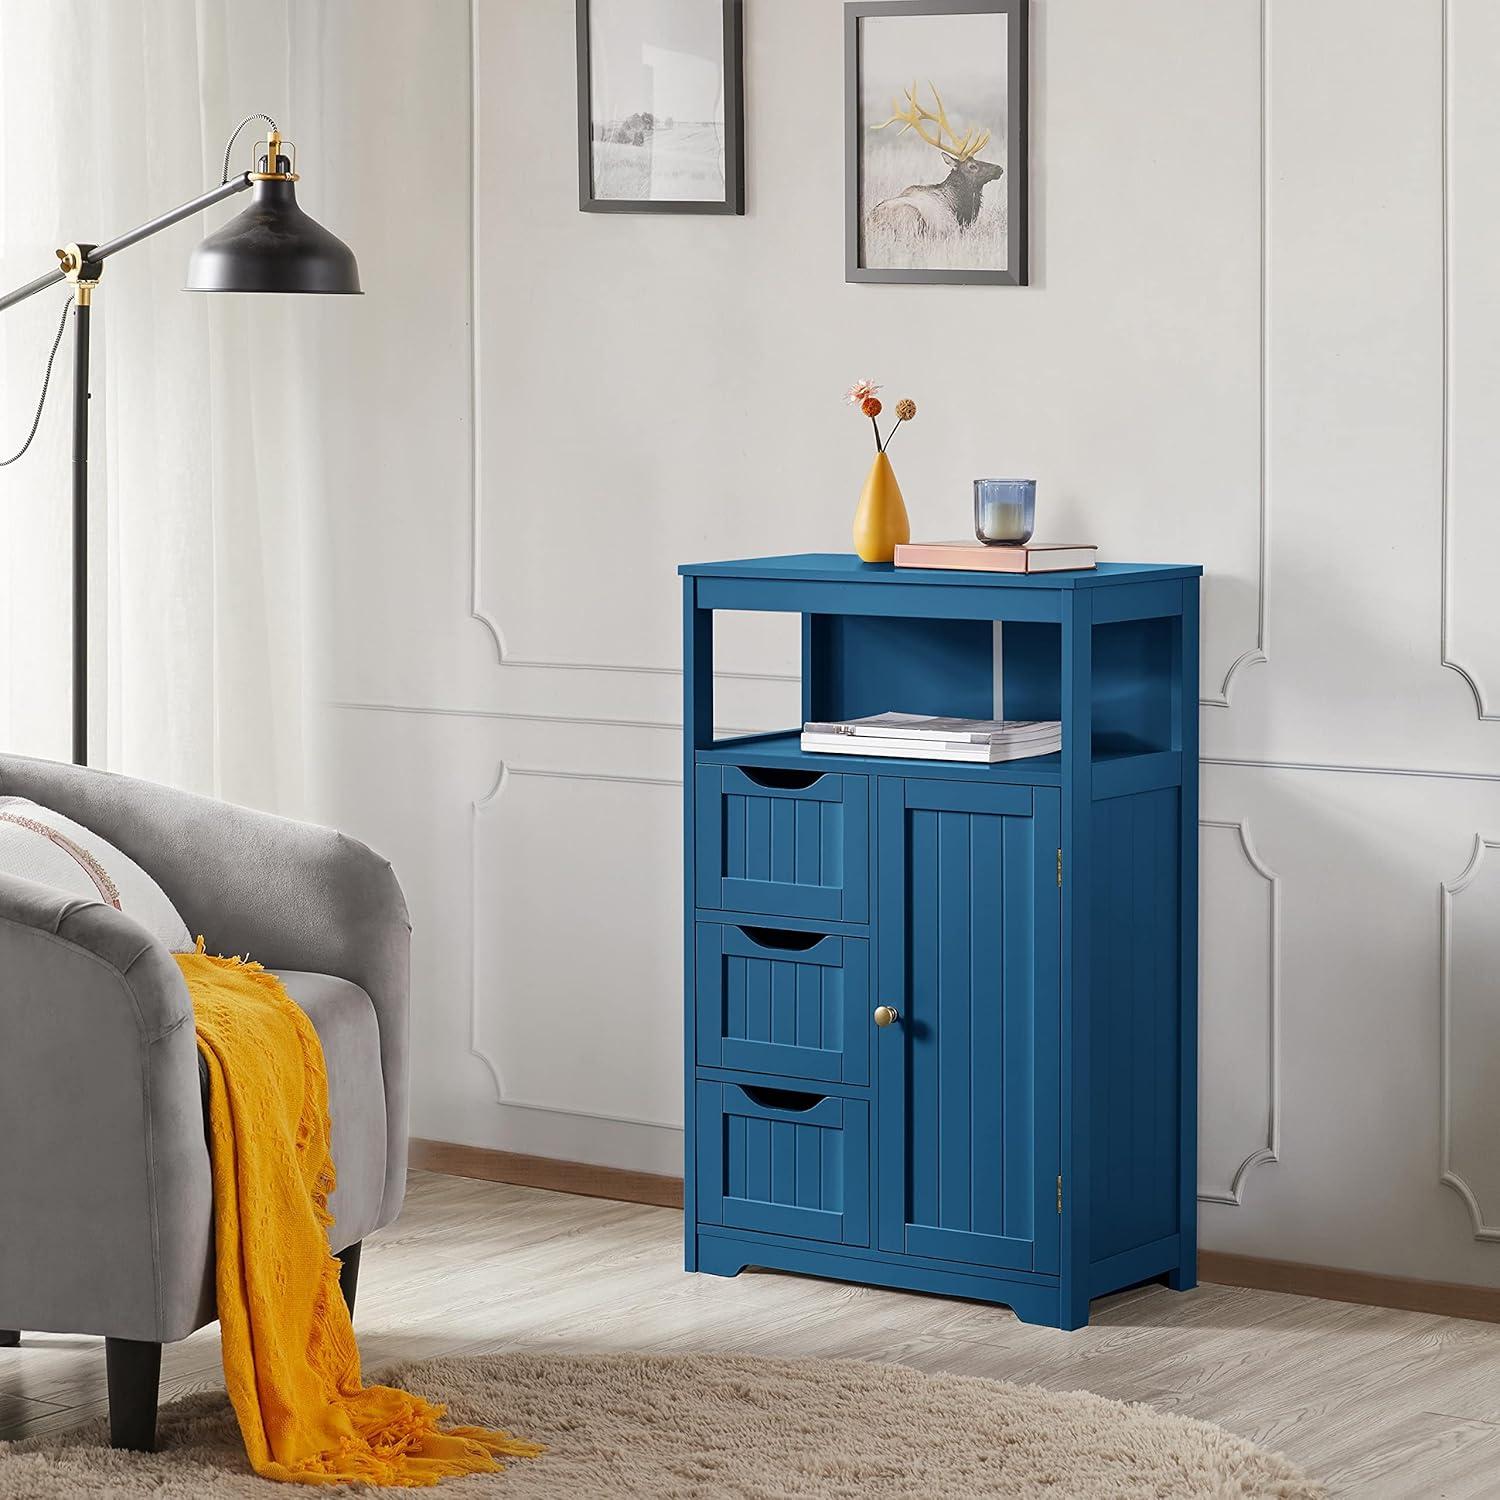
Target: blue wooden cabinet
(941,1019)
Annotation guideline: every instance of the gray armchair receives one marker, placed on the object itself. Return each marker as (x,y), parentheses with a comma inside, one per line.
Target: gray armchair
(106,1207)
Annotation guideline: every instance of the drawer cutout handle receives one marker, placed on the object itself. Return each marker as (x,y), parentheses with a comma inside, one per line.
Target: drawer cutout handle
(787,1099)
(776,937)
(775,778)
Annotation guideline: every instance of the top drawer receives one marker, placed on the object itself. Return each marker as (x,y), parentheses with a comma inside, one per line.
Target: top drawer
(783,843)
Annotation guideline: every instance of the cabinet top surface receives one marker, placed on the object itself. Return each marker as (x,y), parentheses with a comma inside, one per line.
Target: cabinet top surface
(845,567)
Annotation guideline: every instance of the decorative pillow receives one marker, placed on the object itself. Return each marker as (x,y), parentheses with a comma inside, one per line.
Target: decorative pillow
(39,844)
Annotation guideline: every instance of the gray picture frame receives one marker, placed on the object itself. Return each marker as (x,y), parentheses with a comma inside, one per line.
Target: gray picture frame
(734,129)
(1017,175)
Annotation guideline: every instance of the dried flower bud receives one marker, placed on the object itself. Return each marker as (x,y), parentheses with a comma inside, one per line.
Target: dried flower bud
(906,409)
(871,406)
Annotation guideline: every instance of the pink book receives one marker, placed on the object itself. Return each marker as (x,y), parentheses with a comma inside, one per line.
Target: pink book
(980,557)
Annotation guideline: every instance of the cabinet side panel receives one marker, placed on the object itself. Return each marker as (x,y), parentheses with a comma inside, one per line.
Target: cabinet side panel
(1134,896)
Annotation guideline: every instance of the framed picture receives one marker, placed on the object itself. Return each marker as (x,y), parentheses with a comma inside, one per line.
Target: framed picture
(661,124)
(935,141)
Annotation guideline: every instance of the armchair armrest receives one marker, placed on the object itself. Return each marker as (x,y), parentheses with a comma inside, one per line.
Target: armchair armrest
(291,895)
(106,1202)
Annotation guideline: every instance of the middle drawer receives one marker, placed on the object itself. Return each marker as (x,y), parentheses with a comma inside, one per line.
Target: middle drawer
(796,1004)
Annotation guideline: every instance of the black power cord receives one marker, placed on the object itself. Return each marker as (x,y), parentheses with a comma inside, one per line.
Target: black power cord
(36,421)
(229,147)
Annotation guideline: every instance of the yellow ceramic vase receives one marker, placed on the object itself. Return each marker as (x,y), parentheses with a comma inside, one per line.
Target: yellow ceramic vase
(880,522)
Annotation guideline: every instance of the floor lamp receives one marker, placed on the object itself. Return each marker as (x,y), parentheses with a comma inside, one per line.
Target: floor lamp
(271,247)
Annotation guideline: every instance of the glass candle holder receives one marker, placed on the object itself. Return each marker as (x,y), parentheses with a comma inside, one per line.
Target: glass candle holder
(1004,511)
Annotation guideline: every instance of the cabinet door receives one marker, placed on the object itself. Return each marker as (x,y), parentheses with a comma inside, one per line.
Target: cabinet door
(969,929)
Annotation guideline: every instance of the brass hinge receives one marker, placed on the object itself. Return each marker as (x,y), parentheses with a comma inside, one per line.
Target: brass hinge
(1059,866)
(1059,1194)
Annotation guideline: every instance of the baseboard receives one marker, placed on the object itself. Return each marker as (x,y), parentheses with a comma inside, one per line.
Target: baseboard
(1448,1298)
(546,1172)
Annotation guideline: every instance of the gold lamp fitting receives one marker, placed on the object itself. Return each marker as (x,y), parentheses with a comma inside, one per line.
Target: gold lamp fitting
(81,271)
(274,152)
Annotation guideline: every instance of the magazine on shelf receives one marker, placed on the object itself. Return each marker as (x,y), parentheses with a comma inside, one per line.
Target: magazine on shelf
(898,726)
(914,749)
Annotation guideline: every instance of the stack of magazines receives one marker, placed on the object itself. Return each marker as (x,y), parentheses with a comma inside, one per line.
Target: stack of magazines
(917,737)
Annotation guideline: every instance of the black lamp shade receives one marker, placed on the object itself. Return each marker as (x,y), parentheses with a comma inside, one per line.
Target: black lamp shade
(273,247)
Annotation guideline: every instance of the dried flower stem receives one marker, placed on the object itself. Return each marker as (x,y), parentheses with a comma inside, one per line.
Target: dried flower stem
(878,447)
(892,433)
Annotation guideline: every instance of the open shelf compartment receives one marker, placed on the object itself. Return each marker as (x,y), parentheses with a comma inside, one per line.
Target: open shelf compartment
(854,665)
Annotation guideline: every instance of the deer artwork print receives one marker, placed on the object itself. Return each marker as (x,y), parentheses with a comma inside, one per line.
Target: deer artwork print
(949,217)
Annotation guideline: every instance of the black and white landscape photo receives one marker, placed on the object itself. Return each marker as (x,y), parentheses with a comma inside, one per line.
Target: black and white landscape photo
(932,137)
(662,93)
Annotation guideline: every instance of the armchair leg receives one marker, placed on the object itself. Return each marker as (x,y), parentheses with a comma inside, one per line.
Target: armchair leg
(133,1369)
(9,1337)
(349,1273)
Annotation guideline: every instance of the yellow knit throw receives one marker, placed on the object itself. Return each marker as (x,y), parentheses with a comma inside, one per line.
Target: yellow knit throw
(290,1361)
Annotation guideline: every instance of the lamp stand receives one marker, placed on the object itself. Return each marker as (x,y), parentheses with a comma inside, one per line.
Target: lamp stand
(83,272)
(81,534)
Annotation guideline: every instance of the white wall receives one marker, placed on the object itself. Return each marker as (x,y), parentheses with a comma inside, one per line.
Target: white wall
(1261,334)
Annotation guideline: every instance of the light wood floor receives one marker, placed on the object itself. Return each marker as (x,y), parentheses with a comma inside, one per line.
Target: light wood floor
(1373,1402)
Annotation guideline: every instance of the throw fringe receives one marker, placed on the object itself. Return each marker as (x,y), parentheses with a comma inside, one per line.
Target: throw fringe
(291,1364)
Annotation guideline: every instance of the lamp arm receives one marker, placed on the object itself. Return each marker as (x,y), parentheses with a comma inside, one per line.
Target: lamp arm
(134,236)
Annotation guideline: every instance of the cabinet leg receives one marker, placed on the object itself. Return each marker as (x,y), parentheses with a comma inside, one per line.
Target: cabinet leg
(348,1259)
(133,1371)
(1183,1279)
(1072,1313)
(719,1257)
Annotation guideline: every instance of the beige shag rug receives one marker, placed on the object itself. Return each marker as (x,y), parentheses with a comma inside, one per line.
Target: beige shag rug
(708,1426)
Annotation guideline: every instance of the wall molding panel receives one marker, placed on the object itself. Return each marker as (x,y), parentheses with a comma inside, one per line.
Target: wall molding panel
(481,917)
(488,619)
(478,610)
(1470,980)
(435,710)
(1254,763)
(1480,547)
(1259,652)
(1268,1147)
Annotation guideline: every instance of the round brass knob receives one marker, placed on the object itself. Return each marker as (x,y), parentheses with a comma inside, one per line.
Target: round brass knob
(886,1015)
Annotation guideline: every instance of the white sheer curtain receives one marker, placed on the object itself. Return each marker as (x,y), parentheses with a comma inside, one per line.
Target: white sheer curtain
(206,463)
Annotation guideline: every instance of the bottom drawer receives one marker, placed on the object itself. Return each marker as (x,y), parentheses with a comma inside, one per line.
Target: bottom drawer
(784,1162)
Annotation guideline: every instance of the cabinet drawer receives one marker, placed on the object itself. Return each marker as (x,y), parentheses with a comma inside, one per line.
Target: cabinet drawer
(784,1162)
(791,1003)
(786,843)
